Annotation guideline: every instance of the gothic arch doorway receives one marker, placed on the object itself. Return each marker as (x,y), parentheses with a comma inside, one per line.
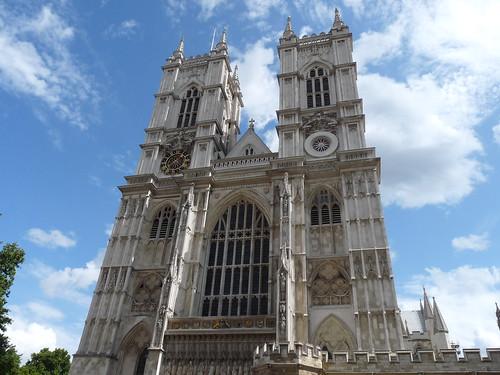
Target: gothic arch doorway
(334,336)
(133,351)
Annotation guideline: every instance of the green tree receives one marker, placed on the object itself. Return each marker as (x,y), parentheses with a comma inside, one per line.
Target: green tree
(47,362)
(11,257)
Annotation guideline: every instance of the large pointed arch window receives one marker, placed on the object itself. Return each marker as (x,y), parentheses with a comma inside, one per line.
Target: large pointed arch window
(325,209)
(237,274)
(163,224)
(317,88)
(189,108)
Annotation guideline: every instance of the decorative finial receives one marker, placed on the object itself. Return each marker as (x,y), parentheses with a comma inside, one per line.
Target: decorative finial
(251,123)
(222,44)
(235,74)
(337,21)
(223,37)
(288,33)
(180,47)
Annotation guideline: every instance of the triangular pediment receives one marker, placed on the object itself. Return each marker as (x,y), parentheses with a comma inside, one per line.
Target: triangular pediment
(249,141)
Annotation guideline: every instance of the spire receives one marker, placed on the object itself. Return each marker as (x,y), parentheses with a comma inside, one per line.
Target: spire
(179,51)
(222,44)
(223,37)
(439,324)
(288,33)
(498,315)
(427,310)
(338,24)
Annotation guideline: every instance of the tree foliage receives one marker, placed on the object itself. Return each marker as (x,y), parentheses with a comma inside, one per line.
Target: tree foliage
(47,362)
(11,257)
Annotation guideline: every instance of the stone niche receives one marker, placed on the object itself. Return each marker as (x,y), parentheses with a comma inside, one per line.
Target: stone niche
(334,336)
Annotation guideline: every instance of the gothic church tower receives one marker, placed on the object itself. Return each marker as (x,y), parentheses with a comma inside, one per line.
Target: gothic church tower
(221,245)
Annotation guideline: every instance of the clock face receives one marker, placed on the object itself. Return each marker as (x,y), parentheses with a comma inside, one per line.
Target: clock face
(174,162)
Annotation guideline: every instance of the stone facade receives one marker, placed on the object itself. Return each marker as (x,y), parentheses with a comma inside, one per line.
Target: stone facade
(221,246)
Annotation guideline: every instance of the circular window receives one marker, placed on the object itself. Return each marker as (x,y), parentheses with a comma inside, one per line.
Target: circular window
(321,144)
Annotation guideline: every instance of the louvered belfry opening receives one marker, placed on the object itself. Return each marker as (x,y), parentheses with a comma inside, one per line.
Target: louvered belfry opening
(237,273)
(325,209)
(163,224)
(317,88)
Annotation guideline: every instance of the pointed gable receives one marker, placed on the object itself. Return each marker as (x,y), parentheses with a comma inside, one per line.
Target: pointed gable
(249,144)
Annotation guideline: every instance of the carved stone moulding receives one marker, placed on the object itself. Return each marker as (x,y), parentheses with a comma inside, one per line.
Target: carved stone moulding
(222,323)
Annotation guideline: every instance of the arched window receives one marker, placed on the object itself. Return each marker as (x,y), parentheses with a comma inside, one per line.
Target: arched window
(163,224)
(141,363)
(237,275)
(189,108)
(249,150)
(317,88)
(325,209)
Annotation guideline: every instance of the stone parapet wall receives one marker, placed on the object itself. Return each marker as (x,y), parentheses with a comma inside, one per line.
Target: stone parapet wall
(307,359)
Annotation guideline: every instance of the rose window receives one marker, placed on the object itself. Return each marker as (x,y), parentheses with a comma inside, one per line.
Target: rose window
(321,144)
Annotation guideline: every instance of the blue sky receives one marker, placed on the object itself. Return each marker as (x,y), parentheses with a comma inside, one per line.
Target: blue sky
(76,91)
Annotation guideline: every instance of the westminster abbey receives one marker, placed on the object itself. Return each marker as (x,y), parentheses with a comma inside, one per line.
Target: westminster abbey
(228,258)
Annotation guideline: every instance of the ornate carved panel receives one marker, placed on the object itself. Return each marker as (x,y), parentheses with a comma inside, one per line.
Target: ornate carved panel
(330,286)
(146,293)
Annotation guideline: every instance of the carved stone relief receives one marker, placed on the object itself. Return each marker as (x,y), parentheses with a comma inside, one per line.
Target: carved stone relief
(319,122)
(330,286)
(146,293)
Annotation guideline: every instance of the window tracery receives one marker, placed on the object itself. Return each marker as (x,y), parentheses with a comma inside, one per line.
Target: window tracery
(317,88)
(163,224)
(236,281)
(330,286)
(325,209)
(189,108)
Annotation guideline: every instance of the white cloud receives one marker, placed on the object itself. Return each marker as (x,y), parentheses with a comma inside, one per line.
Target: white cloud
(208,7)
(125,29)
(30,337)
(357,6)
(429,156)
(261,8)
(466,297)
(258,81)
(321,12)
(305,30)
(177,8)
(44,311)
(473,242)
(271,139)
(423,122)
(36,62)
(51,239)
(36,326)
(72,284)
(496,133)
